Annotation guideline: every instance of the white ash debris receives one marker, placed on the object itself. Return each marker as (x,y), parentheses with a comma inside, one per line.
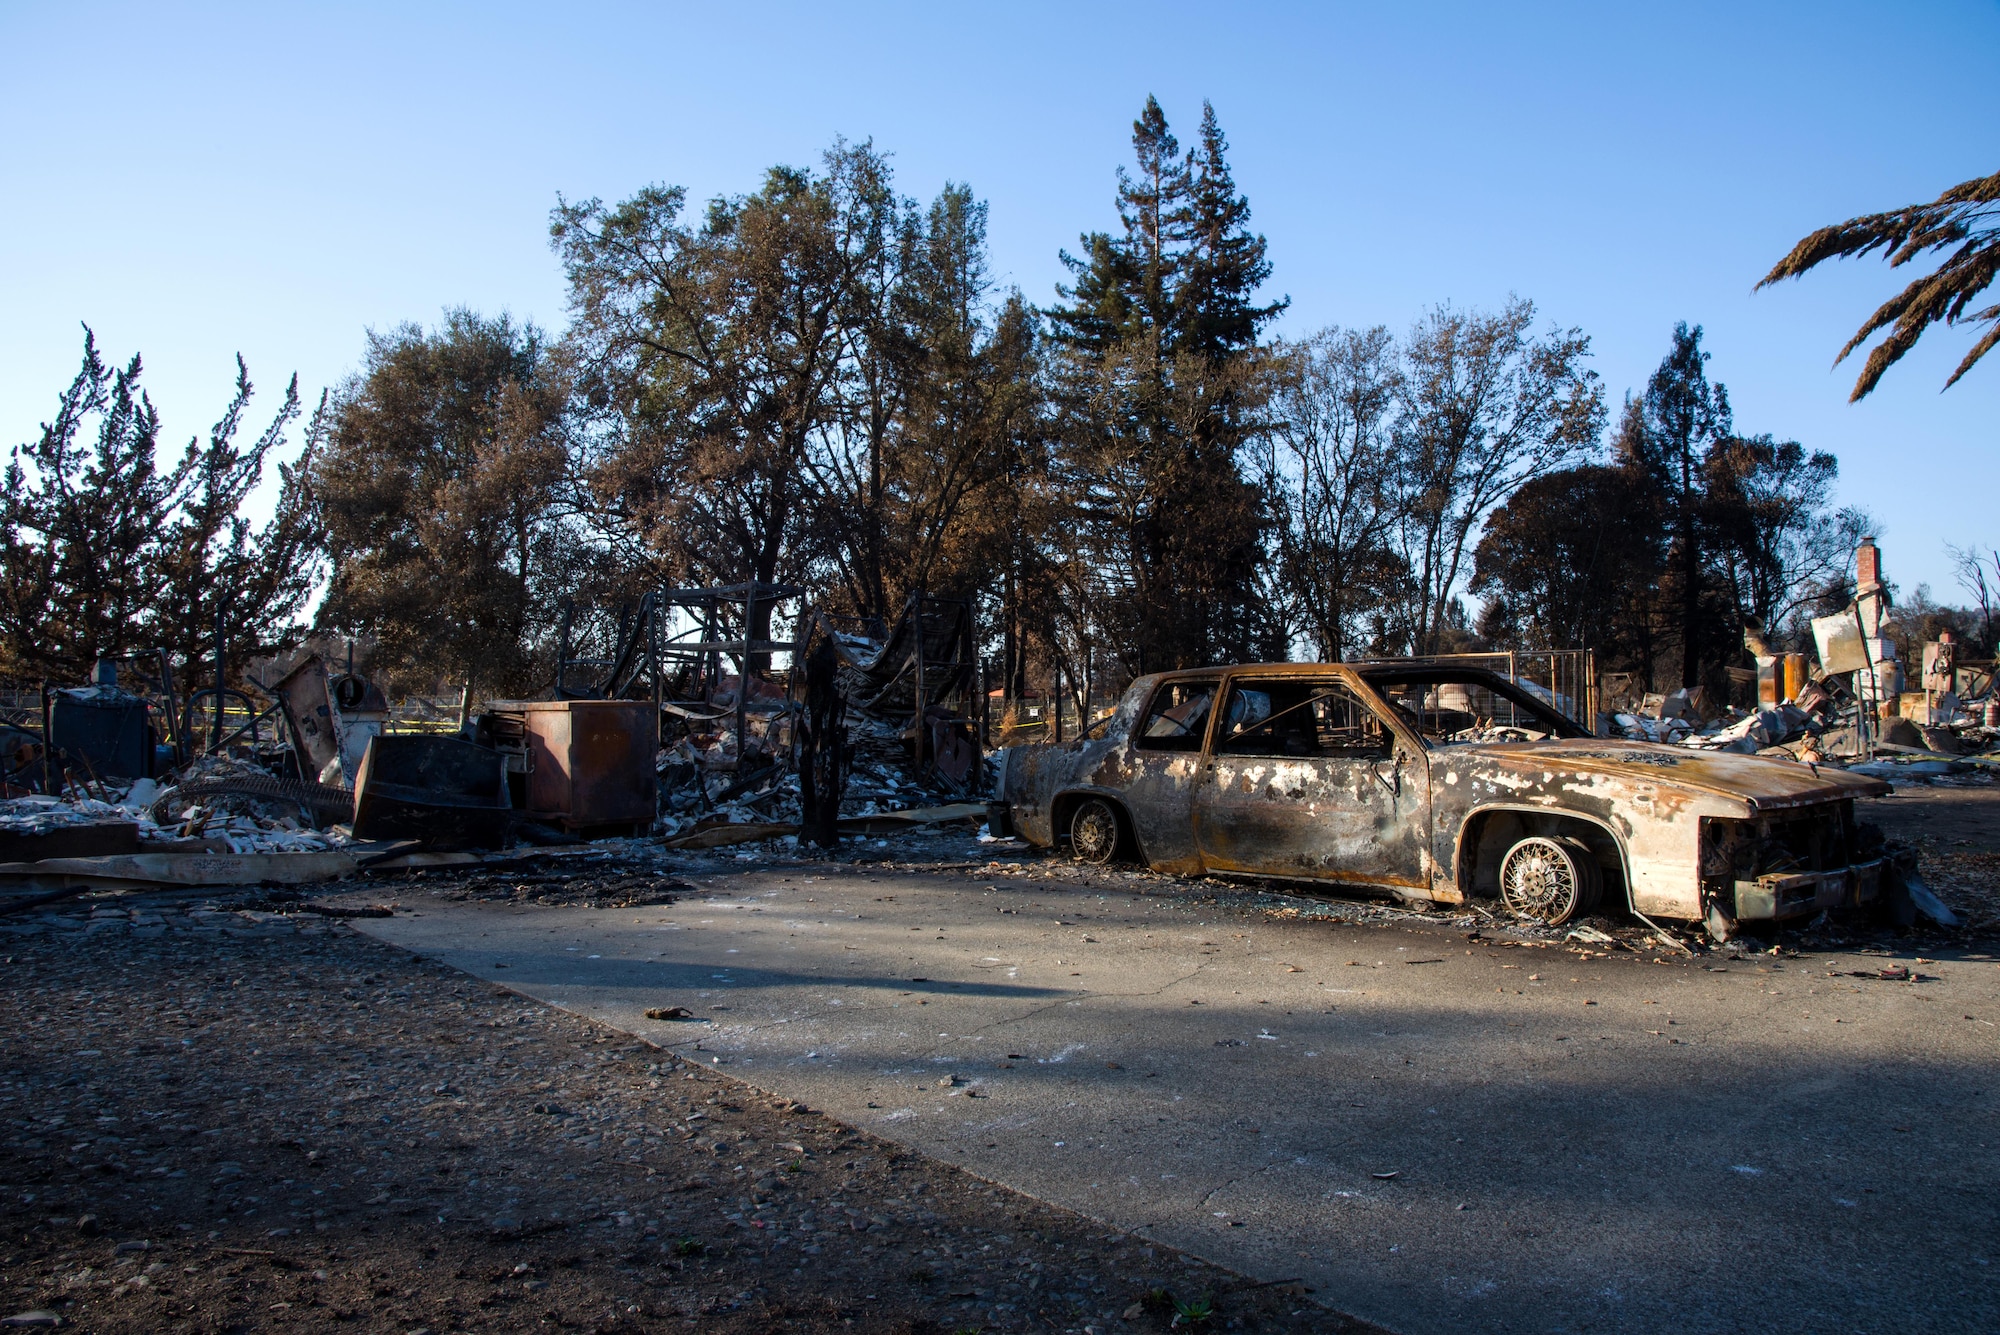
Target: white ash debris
(37,814)
(235,823)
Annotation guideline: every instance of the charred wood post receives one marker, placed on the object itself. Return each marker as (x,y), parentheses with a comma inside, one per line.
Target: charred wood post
(822,747)
(52,770)
(922,722)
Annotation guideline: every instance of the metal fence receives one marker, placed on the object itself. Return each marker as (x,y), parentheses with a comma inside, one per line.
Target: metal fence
(1566,678)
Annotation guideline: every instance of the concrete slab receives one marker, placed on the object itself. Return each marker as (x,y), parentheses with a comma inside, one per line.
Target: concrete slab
(1435,1133)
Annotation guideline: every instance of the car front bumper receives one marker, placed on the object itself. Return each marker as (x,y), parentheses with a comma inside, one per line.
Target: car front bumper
(1780,895)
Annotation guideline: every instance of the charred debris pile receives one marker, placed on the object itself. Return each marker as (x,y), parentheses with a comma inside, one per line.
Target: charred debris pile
(688,738)
(1859,706)
(698,728)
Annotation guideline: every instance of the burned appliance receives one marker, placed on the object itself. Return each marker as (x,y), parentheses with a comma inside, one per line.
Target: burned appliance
(585,765)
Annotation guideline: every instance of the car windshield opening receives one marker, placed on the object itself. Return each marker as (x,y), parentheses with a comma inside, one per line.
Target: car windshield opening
(1447,708)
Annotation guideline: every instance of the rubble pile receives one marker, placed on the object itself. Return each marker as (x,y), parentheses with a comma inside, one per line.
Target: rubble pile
(168,821)
(240,805)
(606,883)
(1822,726)
(1856,707)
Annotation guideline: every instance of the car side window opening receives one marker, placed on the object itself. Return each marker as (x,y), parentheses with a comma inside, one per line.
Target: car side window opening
(1177,717)
(1302,719)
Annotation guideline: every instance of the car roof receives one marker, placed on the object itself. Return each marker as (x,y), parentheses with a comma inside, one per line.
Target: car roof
(1261,669)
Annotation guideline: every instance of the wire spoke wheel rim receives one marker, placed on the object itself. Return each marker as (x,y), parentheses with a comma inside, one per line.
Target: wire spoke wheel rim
(1540,878)
(1093,832)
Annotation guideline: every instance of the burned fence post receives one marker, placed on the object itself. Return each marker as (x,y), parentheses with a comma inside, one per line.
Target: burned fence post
(822,747)
(921,726)
(52,774)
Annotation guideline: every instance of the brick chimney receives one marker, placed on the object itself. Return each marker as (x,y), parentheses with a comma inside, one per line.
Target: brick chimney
(1867,567)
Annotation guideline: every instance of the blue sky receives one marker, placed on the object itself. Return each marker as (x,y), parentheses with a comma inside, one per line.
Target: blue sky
(197,180)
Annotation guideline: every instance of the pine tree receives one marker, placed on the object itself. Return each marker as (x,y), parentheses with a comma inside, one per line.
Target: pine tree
(1684,416)
(1159,386)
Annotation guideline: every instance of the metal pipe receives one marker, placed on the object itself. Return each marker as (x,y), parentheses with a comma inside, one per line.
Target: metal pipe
(1089,684)
(250,727)
(743,674)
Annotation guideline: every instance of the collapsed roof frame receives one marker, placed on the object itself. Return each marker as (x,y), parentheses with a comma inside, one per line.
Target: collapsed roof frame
(647,647)
(905,673)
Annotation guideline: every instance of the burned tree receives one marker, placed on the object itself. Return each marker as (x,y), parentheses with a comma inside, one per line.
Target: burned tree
(711,355)
(438,489)
(107,550)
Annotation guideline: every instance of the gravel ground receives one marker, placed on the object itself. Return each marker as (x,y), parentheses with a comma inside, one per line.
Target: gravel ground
(233,1114)
(229,1118)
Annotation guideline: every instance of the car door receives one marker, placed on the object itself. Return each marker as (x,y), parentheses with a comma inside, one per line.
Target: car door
(1305,778)
(1164,756)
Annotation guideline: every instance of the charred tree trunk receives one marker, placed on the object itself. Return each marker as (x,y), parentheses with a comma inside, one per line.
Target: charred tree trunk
(822,749)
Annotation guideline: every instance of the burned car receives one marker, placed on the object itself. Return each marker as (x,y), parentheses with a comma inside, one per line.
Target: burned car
(1441,783)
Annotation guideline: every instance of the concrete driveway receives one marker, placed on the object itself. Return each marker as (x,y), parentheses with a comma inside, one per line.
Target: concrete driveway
(1437,1134)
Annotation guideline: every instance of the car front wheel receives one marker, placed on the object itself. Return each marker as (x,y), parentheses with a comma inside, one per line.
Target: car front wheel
(1093,831)
(1552,879)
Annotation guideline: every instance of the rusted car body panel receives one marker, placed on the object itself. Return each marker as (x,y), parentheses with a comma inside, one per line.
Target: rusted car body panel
(1423,817)
(1363,821)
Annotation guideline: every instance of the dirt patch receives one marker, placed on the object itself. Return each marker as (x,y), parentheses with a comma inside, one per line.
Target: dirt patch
(1966,818)
(1955,831)
(220,1120)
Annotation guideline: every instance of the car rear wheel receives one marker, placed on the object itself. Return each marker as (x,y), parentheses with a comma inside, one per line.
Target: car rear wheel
(1093,831)
(1552,879)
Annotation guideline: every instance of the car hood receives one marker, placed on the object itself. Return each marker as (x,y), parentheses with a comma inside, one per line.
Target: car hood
(1764,783)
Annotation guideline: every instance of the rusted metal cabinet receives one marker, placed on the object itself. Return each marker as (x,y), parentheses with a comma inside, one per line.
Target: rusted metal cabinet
(590,763)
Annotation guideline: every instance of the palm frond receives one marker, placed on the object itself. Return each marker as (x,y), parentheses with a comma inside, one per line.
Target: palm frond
(1967,217)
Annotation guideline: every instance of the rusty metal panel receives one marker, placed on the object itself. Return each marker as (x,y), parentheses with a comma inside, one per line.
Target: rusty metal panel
(590,762)
(309,710)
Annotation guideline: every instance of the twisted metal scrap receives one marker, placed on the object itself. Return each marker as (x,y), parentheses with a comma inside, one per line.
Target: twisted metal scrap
(337,802)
